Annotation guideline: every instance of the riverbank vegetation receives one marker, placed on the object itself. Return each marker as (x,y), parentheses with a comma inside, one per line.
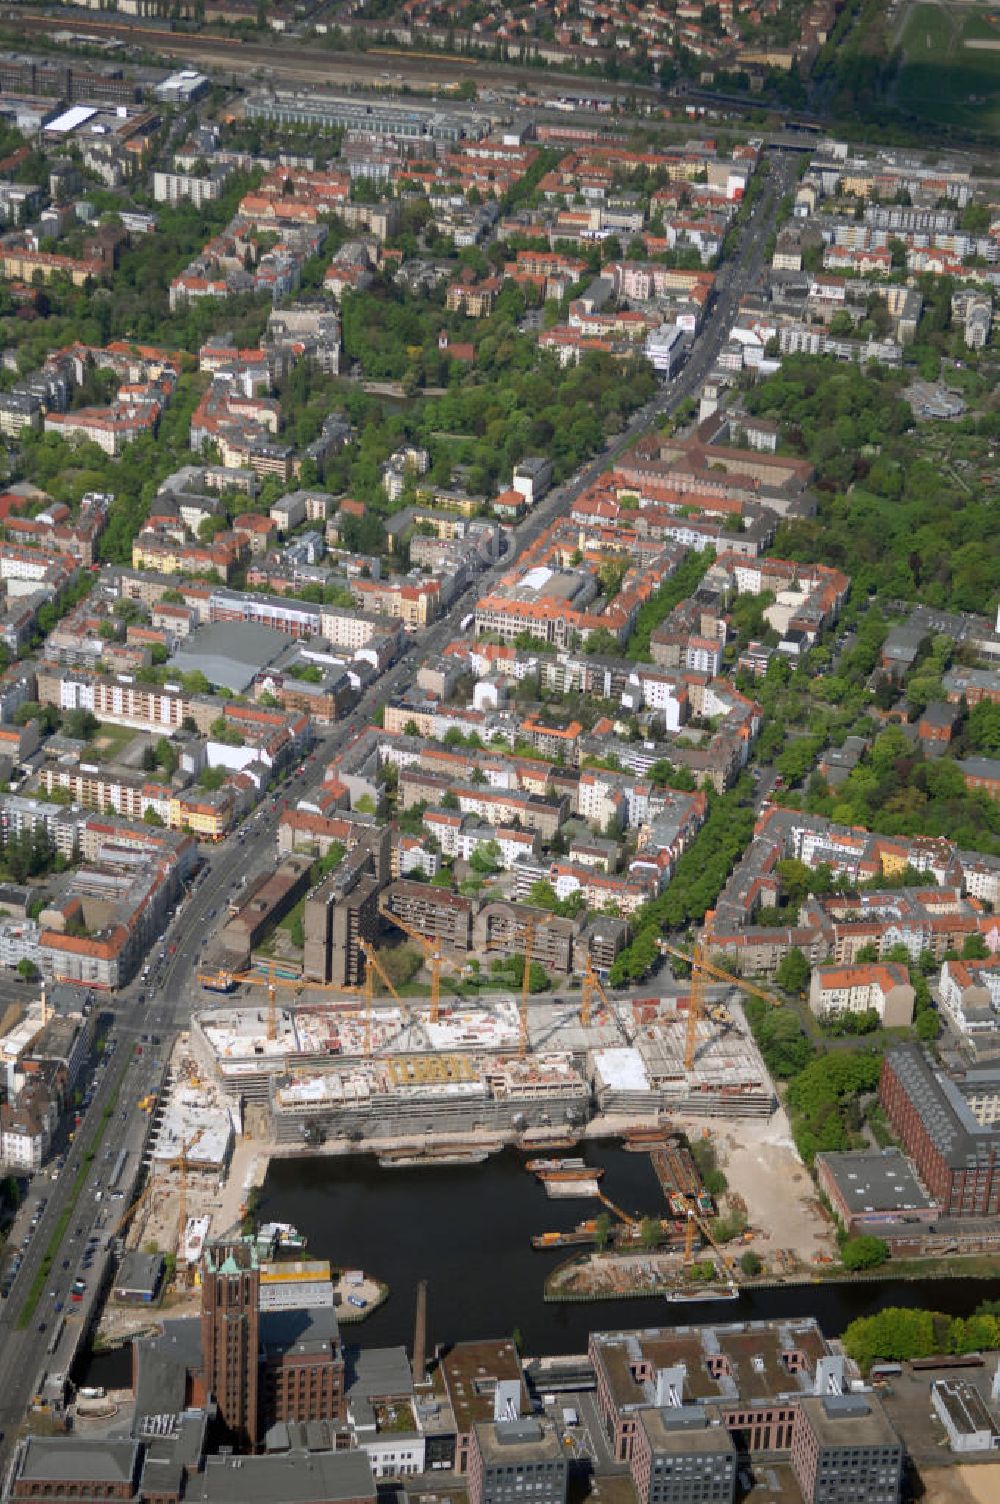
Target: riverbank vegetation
(904,1332)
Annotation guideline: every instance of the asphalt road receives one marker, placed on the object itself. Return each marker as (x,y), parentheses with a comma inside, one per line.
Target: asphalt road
(173,994)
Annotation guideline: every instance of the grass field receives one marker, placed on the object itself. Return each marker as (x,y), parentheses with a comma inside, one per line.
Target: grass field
(942,80)
(111,741)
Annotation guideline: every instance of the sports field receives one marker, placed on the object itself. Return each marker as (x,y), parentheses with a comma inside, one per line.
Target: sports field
(944,80)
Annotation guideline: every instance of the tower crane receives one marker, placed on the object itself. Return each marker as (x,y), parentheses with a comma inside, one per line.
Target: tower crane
(720,975)
(434,957)
(522,1010)
(591,984)
(372,966)
(695,1219)
(702,967)
(130,1212)
(224,981)
(696,1000)
(632,1222)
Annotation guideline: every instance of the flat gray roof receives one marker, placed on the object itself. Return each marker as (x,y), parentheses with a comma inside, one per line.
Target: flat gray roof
(68,1459)
(847,1420)
(685,1430)
(877,1181)
(140,1272)
(291,1478)
(527,1438)
(303,1329)
(374,1372)
(229,653)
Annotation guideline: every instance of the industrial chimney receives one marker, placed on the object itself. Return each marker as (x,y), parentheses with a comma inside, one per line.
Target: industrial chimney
(420,1334)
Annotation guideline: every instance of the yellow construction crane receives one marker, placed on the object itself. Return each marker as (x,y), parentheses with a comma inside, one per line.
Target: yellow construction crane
(694,1218)
(622,1216)
(591,984)
(522,1010)
(696,1000)
(374,966)
(127,1215)
(702,967)
(721,975)
(434,958)
(225,981)
(180,1163)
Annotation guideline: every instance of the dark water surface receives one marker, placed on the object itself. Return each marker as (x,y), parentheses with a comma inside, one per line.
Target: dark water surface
(466,1229)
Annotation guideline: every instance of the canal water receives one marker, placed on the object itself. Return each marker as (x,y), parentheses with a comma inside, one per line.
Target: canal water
(466,1229)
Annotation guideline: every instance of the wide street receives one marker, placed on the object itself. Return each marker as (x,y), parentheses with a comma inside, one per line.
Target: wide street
(173,990)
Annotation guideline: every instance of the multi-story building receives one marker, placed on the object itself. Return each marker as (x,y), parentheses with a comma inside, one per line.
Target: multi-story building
(884,987)
(517,1458)
(681,1457)
(433,912)
(950,1128)
(845,1451)
(470,1374)
(230,1337)
(175,187)
(692,1399)
(342,911)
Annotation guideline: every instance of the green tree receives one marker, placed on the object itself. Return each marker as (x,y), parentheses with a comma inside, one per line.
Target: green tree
(864,1252)
(543,896)
(80,724)
(166,757)
(750,1263)
(897,1333)
(649,1232)
(602,1231)
(793,971)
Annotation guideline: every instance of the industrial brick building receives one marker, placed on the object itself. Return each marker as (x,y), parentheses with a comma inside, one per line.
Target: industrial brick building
(949,1128)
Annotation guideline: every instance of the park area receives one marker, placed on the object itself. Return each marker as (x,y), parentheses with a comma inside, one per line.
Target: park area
(951,66)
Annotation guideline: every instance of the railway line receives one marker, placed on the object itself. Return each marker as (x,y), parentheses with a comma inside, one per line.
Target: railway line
(236,55)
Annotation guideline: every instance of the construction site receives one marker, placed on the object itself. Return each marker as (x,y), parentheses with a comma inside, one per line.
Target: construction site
(318,1073)
(440,1079)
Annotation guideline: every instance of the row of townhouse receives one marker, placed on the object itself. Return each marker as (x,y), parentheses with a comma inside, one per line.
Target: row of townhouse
(117,901)
(497,806)
(207,814)
(374,635)
(272,737)
(851,852)
(162,554)
(839,929)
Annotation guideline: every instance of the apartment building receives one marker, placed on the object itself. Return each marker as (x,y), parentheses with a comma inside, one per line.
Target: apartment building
(884,988)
